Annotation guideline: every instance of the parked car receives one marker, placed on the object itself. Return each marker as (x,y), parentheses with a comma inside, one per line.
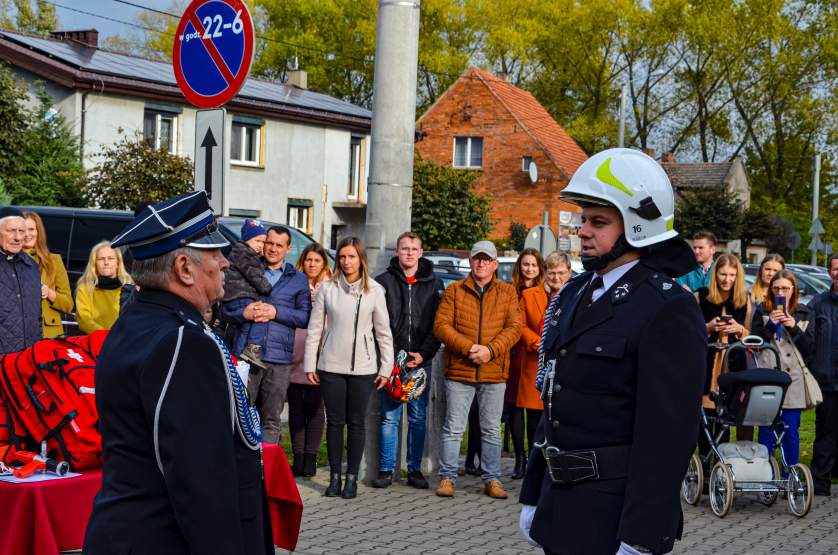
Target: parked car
(72,232)
(809,284)
(443,260)
(447,276)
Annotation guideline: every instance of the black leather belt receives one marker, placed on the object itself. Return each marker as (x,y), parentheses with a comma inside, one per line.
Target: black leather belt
(571,467)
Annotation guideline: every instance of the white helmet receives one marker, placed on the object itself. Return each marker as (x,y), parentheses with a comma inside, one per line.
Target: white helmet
(634,184)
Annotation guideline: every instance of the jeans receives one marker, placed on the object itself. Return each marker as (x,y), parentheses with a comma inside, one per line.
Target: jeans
(346,398)
(791,441)
(490,401)
(391,415)
(268,389)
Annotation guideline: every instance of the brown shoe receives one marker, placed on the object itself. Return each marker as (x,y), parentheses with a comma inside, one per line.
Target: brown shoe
(493,489)
(445,488)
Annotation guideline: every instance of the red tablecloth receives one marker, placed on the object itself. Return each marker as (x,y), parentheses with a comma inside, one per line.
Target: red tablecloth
(284,500)
(42,518)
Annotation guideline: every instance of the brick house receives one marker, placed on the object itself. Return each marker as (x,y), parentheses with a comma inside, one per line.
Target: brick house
(484,123)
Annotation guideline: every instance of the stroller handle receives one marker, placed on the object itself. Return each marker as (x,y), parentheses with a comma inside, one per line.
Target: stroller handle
(751,343)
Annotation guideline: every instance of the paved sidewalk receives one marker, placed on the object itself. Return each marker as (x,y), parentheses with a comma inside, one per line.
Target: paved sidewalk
(376,522)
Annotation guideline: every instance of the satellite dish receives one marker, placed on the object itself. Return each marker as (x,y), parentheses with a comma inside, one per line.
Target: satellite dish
(541,238)
(533,171)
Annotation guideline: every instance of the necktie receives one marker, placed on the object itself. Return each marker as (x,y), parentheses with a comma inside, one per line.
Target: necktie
(587,299)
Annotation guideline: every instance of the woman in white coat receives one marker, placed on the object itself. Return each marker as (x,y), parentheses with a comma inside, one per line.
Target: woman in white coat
(354,355)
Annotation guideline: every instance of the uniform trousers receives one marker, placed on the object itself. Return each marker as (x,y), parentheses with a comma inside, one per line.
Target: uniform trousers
(346,399)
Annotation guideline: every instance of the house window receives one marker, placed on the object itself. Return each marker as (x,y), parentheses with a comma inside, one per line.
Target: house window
(468,152)
(300,214)
(355,157)
(160,130)
(246,144)
(525,163)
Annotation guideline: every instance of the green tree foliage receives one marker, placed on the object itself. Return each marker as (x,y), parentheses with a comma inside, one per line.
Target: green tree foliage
(517,236)
(39,19)
(712,208)
(131,171)
(446,211)
(39,155)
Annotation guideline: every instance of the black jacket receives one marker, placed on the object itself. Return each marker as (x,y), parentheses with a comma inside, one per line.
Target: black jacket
(245,278)
(824,364)
(177,478)
(20,302)
(629,374)
(412,308)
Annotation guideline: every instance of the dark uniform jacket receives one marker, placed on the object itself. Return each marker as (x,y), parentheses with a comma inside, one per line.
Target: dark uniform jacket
(177,478)
(629,374)
(412,308)
(824,364)
(20,302)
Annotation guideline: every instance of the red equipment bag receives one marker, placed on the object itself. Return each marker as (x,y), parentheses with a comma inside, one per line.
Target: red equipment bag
(51,396)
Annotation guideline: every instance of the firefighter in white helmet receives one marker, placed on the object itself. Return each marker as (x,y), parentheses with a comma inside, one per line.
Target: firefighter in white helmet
(621,372)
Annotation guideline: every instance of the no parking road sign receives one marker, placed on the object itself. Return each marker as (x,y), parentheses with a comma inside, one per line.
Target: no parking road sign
(213,51)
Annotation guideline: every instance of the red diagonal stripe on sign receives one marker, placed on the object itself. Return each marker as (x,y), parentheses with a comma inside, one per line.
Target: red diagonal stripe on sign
(212,50)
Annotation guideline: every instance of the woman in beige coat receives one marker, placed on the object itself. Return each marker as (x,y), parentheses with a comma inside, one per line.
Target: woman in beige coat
(354,355)
(784,323)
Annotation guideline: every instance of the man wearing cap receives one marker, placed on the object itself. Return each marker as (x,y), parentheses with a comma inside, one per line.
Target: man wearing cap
(479,322)
(271,323)
(20,286)
(182,467)
(621,373)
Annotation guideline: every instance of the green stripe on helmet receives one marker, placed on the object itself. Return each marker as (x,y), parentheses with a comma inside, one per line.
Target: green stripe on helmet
(603,173)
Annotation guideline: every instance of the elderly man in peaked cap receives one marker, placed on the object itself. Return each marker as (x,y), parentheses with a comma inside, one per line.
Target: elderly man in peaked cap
(182,462)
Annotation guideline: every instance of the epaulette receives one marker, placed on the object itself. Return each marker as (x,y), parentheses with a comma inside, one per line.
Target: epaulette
(186,319)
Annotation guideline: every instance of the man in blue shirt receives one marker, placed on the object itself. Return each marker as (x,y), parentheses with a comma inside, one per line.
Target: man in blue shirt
(271,323)
(704,246)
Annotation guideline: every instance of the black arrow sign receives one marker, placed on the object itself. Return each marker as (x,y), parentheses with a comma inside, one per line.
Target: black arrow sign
(208,143)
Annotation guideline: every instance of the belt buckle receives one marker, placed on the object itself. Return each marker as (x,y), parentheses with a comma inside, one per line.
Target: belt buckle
(570,467)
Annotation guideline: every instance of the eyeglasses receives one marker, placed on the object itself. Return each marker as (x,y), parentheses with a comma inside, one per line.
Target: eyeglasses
(782,289)
(484,261)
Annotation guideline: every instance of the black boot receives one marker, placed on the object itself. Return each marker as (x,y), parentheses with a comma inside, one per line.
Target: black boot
(297,467)
(520,466)
(309,464)
(334,485)
(350,487)
(384,480)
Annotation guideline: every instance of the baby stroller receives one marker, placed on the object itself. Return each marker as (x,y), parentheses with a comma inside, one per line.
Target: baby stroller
(751,397)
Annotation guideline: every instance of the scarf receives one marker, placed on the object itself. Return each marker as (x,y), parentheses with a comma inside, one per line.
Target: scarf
(108,283)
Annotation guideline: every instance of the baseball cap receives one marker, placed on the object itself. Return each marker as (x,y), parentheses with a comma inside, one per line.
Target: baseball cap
(484,247)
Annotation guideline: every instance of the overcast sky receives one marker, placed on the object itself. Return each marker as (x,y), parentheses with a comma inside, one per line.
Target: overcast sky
(69,19)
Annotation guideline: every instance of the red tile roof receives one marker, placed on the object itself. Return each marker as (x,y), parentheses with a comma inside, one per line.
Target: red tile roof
(538,123)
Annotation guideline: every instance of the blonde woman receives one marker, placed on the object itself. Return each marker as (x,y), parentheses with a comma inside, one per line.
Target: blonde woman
(356,355)
(770,265)
(97,292)
(56,295)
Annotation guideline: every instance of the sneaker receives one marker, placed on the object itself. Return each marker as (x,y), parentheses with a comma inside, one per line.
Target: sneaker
(252,354)
(445,488)
(384,480)
(415,479)
(493,489)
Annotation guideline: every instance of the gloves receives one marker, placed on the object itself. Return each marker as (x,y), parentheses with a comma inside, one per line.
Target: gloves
(626,549)
(525,523)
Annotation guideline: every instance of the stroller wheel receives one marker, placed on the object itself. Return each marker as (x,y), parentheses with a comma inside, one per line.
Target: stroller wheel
(768,498)
(799,489)
(693,482)
(721,489)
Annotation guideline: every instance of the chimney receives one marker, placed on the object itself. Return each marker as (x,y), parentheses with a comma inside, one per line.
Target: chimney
(504,76)
(668,158)
(298,78)
(86,37)
(650,152)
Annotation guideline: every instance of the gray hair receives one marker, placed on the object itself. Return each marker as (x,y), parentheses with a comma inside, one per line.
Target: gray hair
(556,259)
(6,219)
(156,272)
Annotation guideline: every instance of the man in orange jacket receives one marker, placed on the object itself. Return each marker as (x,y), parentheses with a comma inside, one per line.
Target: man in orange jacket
(479,322)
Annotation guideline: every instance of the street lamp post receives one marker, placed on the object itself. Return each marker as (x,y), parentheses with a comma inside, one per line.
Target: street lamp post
(622,130)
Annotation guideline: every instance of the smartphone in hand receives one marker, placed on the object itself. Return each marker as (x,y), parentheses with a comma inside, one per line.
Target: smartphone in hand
(780,302)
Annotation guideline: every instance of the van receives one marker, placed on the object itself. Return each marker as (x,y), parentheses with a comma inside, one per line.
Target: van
(72,233)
